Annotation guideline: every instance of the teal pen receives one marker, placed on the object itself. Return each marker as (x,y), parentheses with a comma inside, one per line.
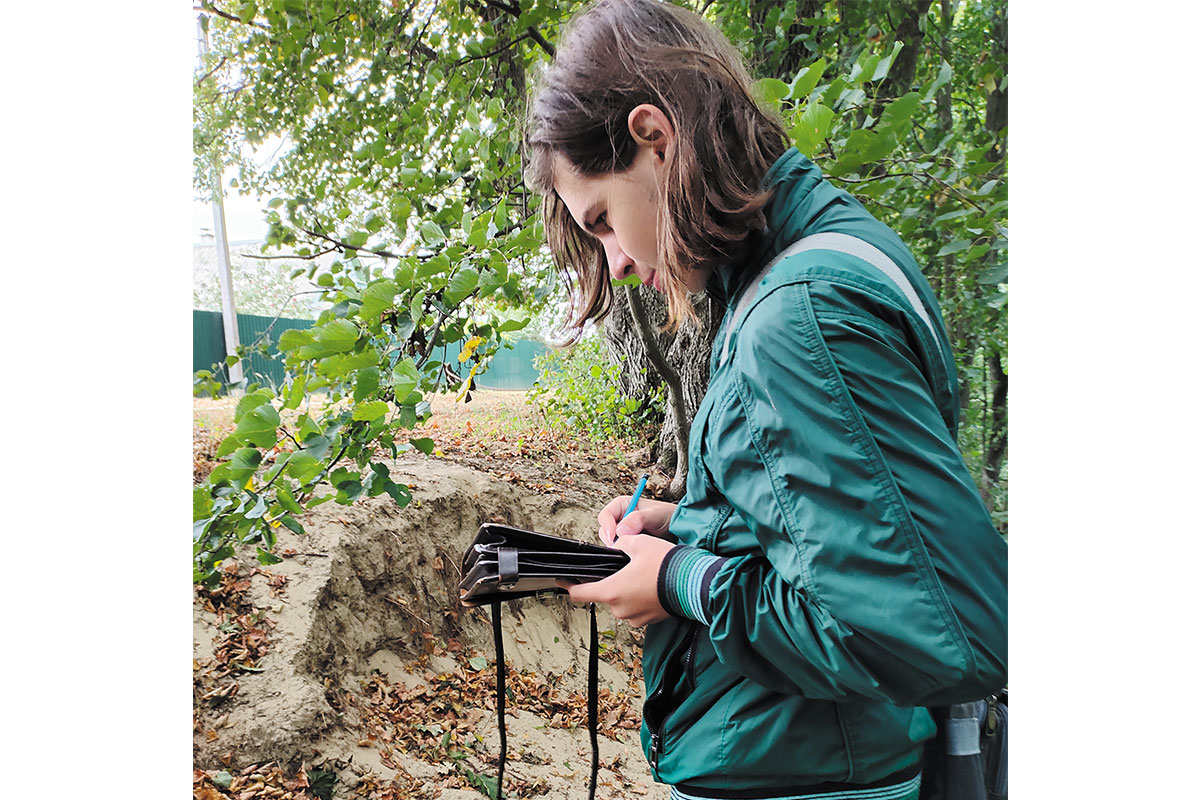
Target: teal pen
(637,495)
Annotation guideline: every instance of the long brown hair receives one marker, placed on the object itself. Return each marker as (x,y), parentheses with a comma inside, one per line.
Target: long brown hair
(615,55)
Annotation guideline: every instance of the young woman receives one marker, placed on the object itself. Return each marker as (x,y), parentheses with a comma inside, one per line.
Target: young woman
(831,569)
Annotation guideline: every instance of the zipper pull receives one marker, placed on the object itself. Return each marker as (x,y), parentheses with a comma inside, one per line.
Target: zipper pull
(655,744)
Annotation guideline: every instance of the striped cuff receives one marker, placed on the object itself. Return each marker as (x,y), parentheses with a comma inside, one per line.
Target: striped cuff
(683,581)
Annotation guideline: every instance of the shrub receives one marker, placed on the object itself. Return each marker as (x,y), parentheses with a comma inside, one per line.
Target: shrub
(577,390)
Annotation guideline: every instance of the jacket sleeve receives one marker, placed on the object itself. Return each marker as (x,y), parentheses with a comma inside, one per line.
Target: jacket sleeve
(880,574)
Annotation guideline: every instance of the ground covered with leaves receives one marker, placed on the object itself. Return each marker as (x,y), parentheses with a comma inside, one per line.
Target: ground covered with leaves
(349,671)
(497,432)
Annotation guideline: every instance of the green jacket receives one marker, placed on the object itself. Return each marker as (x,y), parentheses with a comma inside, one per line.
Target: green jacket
(837,569)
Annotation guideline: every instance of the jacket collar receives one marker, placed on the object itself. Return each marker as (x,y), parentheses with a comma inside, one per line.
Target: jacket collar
(790,211)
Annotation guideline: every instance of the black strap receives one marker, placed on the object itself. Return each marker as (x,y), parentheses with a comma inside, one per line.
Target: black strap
(506,563)
(499,640)
(593,699)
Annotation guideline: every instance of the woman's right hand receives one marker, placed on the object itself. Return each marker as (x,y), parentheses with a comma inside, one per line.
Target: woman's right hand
(651,516)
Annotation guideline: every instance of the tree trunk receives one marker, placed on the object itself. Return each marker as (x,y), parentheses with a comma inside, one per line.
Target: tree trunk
(682,369)
(995,120)
(996,446)
(908,30)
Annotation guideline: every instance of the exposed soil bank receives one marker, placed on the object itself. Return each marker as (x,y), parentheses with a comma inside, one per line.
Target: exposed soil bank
(356,655)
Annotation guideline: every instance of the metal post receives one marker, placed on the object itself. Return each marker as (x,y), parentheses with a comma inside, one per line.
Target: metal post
(224,274)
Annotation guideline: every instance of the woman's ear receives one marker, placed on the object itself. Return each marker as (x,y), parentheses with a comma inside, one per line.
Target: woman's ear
(649,127)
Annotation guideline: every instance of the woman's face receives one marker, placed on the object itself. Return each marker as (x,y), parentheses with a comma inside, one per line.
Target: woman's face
(621,211)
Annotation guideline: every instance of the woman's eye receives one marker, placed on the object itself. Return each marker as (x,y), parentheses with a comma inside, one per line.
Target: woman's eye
(601,221)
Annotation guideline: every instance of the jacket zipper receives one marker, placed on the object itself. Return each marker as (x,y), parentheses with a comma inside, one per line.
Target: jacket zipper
(656,730)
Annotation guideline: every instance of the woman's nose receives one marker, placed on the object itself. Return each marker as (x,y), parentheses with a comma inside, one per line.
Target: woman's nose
(619,265)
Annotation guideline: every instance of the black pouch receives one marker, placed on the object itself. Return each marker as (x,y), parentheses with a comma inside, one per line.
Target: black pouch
(968,757)
(504,563)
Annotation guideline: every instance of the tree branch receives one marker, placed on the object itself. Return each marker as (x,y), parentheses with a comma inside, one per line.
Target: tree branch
(343,246)
(209,74)
(531,31)
(285,258)
(670,376)
(497,51)
(541,40)
(211,9)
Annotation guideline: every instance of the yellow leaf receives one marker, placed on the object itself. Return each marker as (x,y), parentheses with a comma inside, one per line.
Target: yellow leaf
(249,483)
(467,383)
(469,349)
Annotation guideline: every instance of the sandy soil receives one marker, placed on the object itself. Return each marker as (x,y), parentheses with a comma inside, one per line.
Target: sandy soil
(354,655)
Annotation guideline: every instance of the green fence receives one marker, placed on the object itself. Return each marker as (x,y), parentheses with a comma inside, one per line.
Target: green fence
(509,369)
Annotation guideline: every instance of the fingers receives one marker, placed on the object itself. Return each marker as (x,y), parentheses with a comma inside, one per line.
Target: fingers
(632,525)
(609,516)
(593,592)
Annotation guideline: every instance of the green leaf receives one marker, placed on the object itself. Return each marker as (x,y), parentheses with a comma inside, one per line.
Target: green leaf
(295,392)
(258,509)
(249,402)
(424,445)
(899,110)
(228,445)
(771,90)
(477,663)
(512,325)
(317,500)
(943,77)
(303,466)
(287,500)
(461,285)
(202,503)
(243,464)
(291,524)
(810,129)
(317,444)
(266,559)
(291,339)
(365,382)
(863,147)
(954,247)
(885,64)
(806,80)
(432,233)
(377,297)
(864,68)
(405,378)
(371,411)
(259,427)
(996,274)
(336,336)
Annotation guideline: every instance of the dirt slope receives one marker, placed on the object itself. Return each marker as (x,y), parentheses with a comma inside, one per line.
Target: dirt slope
(353,656)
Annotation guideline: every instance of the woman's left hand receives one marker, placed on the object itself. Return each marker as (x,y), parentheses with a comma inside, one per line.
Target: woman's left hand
(632,591)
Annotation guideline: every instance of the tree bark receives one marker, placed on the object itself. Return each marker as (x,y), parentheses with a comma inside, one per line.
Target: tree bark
(908,30)
(997,437)
(682,369)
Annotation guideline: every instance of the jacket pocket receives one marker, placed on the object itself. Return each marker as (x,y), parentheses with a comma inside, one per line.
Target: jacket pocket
(675,680)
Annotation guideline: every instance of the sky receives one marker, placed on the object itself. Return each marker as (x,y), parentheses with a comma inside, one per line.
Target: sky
(243,218)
